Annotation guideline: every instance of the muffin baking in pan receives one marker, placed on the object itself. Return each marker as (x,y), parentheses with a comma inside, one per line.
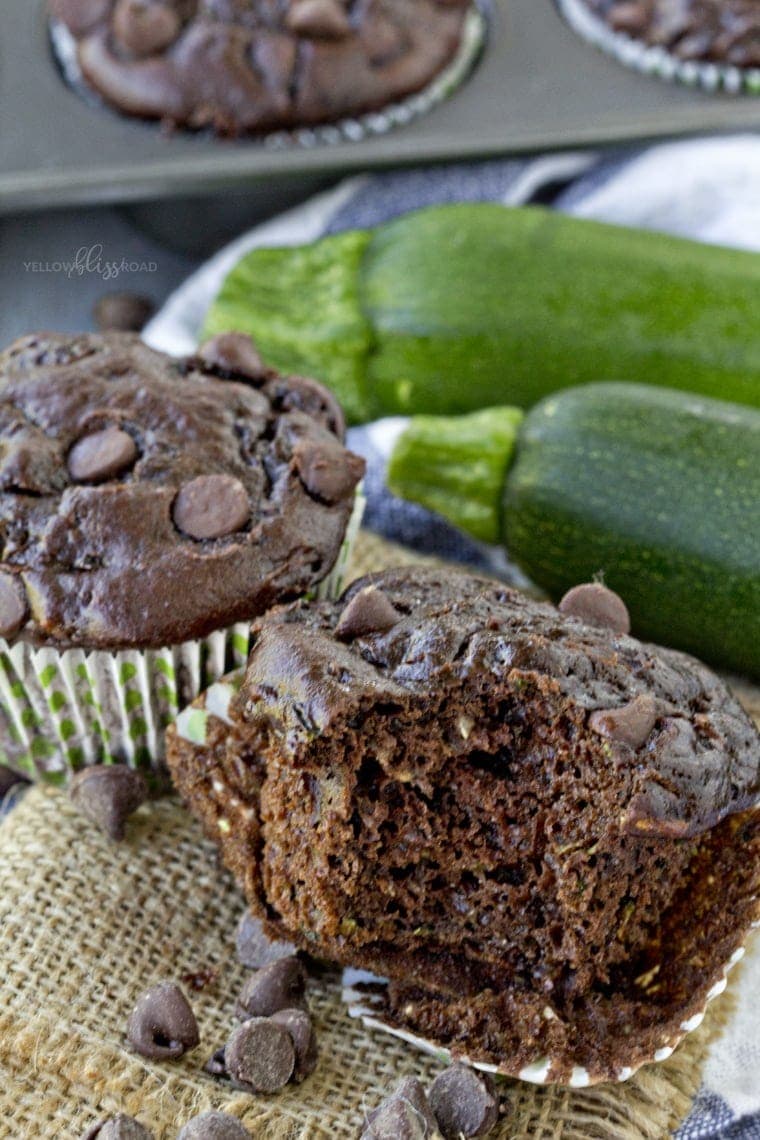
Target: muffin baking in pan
(541,831)
(251,67)
(710,43)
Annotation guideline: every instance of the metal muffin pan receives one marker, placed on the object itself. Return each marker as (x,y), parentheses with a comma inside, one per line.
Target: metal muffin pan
(538,86)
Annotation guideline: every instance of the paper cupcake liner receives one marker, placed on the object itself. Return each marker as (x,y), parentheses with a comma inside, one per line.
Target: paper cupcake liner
(350,129)
(368,1007)
(63,710)
(657,61)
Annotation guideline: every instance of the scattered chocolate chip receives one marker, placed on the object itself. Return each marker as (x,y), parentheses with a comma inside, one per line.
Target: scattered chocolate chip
(234,353)
(123,312)
(162,1024)
(119,1127)
(327,471)
(108,794)
(260,1056)
(596,605)
(144,27)
(13,606)
(79,15)
(215,1066)
(214,1126)
(10,779)
(318,19)
(254,949)
(101,455)
(369,611)
(464,1103)
(299,1026)
(404,1115)
(631,724)
(280,985)
(211,506)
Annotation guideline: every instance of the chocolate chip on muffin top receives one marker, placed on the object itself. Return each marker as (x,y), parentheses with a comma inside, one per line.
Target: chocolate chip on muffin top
(720,31)
(146,501)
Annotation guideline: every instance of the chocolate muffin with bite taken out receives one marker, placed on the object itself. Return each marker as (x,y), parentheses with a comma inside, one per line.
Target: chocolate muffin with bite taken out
(543,832)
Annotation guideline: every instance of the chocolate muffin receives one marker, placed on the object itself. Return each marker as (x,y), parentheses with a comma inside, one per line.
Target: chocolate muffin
(244,67)
(148,502)
(708,40)
(542,831)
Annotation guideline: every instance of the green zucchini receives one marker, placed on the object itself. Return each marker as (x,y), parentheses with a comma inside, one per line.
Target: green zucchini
(655,491)
(461,307)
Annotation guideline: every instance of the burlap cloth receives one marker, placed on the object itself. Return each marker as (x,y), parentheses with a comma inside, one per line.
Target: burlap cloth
(85,926)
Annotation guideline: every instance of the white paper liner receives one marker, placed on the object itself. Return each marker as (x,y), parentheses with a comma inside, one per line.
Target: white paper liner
(652,60)
(61,711)
(345,130)
(368,1007)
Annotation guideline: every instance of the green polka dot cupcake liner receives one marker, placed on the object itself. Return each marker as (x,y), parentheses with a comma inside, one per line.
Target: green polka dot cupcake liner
(657,61)
(64,710)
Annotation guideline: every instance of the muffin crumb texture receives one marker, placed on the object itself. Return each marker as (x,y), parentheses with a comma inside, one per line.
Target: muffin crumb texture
(541,831)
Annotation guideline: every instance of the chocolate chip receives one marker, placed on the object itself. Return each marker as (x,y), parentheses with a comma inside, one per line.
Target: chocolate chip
(108,794)
(302,394)
(594,604)
(631,724)
(101,455)
(368,611)
(464,1103)
(327,471)
(260,1056)
(318,19)
(281,985)
(144,27)
(211,506)
(123,312)
(299,1026)
(254,949)
(404,1115)
(234,353)
(162,1024)
(214,1126)
(13,606)
(119,1127)
(215,1066)
(79,15)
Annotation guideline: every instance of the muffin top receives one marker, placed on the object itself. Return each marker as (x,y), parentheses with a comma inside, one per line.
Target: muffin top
(682,745)
(719,31)
(146,501)
(245,66)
